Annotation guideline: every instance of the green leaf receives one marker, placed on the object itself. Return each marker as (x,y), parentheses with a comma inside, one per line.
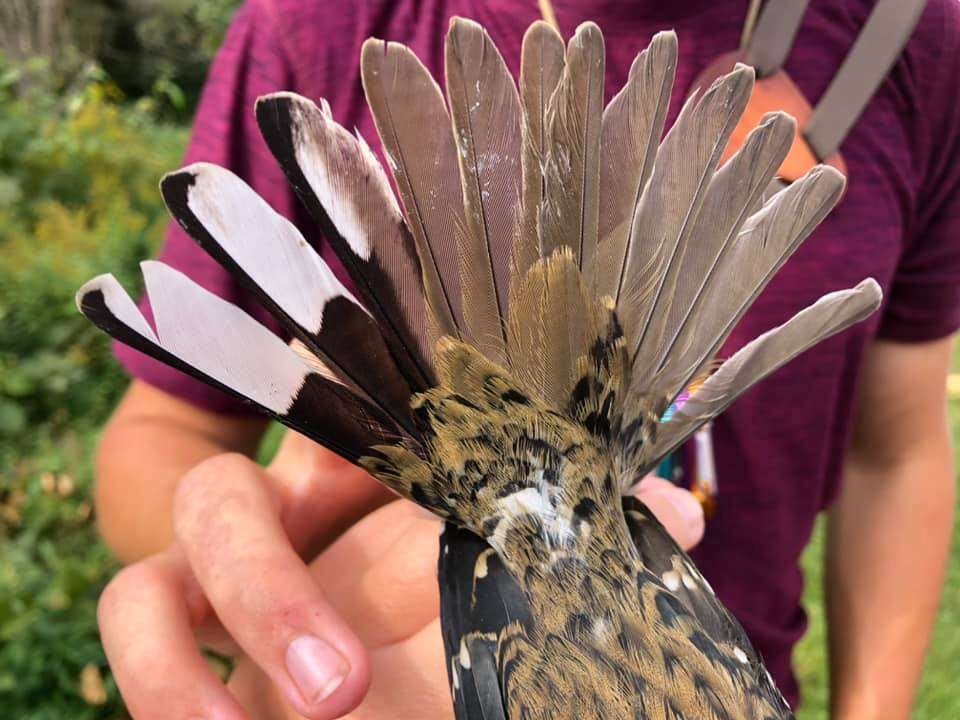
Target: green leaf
(12,417)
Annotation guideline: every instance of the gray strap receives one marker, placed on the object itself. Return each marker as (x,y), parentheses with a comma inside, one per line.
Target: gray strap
(889,27)
(773,36)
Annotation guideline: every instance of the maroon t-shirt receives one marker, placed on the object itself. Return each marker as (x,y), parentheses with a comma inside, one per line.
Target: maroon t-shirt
(779,449)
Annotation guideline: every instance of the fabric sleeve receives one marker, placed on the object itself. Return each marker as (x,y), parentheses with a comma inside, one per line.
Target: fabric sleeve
(924,298)
(250,63)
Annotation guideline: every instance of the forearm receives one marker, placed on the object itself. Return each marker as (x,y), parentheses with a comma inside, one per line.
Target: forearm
(138,467)
(149,444)
(888,541)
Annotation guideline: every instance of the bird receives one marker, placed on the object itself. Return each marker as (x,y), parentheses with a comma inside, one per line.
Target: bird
(534,305)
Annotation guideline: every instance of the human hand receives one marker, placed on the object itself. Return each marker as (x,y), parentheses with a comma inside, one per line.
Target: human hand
(235,581)
(381,577)
(676,509)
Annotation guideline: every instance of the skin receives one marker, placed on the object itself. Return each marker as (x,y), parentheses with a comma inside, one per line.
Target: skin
(372,593)
(889,532)
(218,548)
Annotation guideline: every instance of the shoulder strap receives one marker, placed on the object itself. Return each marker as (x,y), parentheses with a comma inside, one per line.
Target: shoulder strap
(889,27)
(771,40)
(879,44)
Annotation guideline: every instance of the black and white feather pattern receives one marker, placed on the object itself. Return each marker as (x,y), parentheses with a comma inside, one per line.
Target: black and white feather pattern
(210,339)
(340,181)
(270,256)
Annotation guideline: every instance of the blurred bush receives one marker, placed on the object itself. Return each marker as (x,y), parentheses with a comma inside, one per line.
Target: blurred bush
(79,168)
(78,196)
(158,49)
(162,48)
(95,97)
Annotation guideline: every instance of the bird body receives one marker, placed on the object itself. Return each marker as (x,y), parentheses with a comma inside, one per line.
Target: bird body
(526,336)
(603,633)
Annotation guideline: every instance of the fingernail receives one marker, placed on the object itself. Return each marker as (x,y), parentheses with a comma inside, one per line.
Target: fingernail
(315,667)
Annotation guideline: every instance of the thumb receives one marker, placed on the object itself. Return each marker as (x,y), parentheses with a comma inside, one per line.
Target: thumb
(676,509)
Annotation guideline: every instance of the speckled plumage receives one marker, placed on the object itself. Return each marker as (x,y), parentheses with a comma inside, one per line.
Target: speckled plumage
(511,341)
(612,620)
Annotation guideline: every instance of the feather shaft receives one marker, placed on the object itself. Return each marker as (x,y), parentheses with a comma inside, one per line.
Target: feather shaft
(485,109)
(570,217)
(414,126)
(734,193)
(673,197)
(541,67)
(632,127)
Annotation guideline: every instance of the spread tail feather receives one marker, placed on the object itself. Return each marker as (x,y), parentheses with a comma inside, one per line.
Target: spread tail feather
(347,192)
(513,337)
(267,253)
(216,342)
(510,200)
(485,109)
(831,314)
(415,130)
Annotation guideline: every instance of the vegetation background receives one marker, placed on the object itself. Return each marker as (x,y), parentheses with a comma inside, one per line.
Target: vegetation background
(96,99)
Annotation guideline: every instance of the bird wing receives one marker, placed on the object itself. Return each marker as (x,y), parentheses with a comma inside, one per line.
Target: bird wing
(479,600)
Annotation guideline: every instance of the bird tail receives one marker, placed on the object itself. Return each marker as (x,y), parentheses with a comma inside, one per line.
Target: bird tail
(542,239)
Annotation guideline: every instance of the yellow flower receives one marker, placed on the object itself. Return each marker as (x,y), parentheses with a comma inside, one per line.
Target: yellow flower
(91,685)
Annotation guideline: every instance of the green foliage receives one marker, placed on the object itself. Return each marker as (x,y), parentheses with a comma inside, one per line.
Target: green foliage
(157,48)
(78,197)
(51,572)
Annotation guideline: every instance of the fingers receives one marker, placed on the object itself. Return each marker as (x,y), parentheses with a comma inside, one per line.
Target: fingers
(677,509)
(145,627)
(410,682)
(365,543)
(387,588)
(380,576)
(226,521)
(320,493)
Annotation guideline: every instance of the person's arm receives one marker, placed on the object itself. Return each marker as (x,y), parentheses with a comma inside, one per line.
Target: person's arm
(151,441)
(889,532)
